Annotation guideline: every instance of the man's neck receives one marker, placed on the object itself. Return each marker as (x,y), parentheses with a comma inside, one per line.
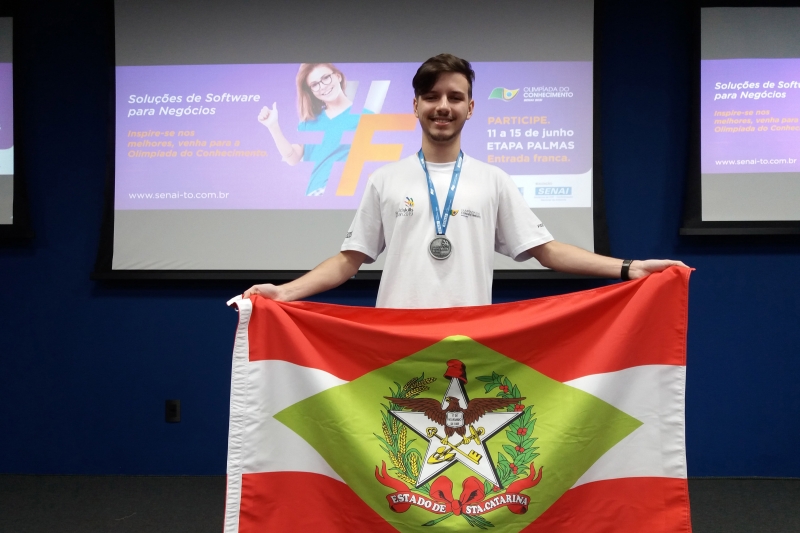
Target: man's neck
(441,152)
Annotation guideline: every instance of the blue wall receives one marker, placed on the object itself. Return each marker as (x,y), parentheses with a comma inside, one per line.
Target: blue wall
(85,367)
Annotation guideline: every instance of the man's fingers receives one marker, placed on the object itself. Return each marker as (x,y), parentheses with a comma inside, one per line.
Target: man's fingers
(250,292)
(671,262)
(266,290)
(663,264)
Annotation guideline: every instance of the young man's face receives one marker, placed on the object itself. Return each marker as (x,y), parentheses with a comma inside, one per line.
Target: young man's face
(444,109)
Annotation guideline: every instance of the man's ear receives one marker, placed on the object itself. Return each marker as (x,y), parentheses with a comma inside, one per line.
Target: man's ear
(471,109)
(416,114)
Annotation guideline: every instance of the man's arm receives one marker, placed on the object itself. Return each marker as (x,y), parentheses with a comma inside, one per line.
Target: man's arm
(571,259)
(327,275)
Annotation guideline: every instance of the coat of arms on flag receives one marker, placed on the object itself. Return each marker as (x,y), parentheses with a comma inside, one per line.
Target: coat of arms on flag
(558,414)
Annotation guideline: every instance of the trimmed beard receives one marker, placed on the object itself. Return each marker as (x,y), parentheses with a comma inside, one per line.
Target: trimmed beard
(443,137)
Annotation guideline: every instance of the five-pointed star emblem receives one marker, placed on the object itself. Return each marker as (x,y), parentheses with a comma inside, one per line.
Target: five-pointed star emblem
(456,429)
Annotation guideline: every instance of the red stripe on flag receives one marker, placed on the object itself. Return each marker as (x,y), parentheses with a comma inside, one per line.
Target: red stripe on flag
(627,505)
(297,501)
(301,501)
(612,328)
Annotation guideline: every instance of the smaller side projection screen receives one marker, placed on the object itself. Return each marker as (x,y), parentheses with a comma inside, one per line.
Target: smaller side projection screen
(750,114)
(6,123)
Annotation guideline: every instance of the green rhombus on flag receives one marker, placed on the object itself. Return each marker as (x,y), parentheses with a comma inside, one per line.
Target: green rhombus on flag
(561,414)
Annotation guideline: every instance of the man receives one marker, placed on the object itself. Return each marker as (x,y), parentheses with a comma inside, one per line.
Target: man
(437,258)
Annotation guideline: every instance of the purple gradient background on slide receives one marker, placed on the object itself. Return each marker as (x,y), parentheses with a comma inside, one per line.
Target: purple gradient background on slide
(6,106)
(755,145)
(269,183)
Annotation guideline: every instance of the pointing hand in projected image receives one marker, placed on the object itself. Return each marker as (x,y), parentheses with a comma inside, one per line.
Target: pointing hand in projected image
(269,117)
(322,105)
(443,256)
(290,153)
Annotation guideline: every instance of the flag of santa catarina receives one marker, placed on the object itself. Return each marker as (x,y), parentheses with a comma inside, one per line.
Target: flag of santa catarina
(557,415)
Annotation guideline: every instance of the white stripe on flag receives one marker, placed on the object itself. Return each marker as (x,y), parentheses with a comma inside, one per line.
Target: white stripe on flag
(236,424)
(269,446)
(653,394)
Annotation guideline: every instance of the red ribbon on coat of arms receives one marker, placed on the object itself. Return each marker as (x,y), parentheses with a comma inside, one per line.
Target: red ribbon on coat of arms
(472,501)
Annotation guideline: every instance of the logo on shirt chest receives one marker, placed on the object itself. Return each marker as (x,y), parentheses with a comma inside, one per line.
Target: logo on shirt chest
(467,213)
(406,208)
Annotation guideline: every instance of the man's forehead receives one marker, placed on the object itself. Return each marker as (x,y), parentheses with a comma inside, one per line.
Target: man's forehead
(451,82)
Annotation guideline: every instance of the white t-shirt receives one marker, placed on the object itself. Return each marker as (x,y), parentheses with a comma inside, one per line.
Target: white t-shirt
(488,215)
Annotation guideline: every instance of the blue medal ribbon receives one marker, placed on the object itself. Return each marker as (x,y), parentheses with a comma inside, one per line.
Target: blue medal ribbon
(441,219)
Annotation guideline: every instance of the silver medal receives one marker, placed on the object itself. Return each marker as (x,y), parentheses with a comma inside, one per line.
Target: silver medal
(440,247)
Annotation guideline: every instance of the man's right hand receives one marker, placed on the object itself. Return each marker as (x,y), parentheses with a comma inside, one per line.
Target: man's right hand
(267,290)
(329,274)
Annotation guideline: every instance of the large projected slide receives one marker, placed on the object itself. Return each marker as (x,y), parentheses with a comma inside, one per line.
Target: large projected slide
(256,157)
(6,124)
(750,114)
(204,137)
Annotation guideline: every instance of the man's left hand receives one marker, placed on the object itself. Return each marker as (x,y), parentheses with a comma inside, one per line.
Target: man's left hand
(641,269)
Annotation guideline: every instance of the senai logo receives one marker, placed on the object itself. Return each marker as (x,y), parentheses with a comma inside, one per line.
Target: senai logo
(501,93)
(554,191)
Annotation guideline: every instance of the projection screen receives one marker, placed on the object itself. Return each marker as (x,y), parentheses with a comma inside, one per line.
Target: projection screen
(207,93)
(6,123)
(749,120)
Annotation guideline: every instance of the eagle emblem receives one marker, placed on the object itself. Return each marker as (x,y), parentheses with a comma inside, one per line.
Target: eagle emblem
(455,430)
(456,427)
(455,419)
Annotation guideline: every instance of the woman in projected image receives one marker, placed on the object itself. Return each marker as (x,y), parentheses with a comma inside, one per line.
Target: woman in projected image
(322,105)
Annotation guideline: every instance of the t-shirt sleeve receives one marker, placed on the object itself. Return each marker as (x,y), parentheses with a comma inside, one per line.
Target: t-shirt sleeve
(518,229)
(366,231)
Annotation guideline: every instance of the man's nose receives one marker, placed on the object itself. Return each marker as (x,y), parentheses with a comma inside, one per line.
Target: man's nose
(443,105)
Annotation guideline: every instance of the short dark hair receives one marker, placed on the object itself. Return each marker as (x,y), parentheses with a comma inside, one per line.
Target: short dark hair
(428,73)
